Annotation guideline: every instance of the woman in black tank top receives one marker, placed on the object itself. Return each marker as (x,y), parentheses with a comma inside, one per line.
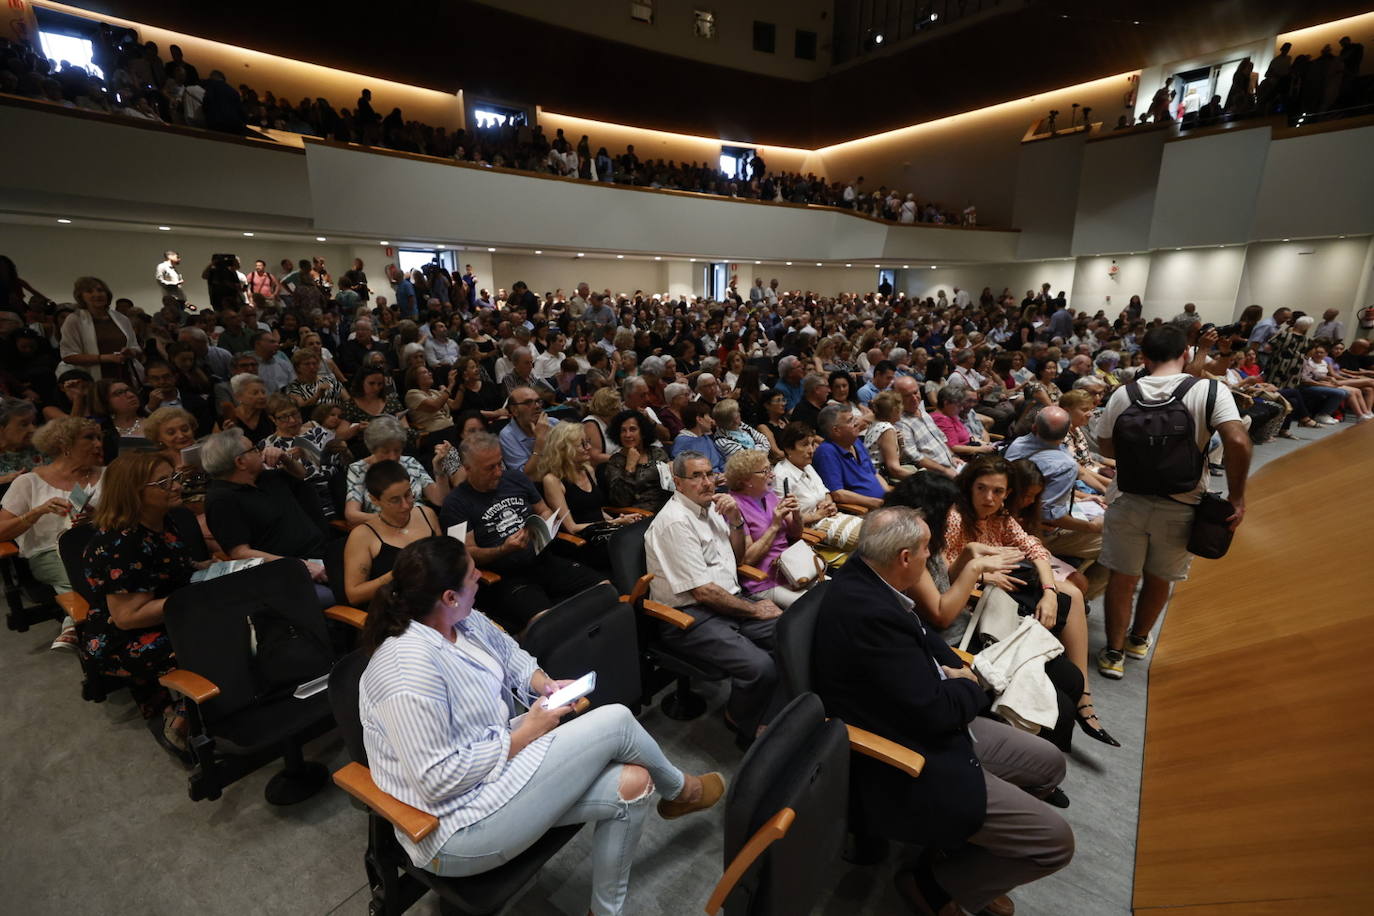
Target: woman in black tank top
(373,546)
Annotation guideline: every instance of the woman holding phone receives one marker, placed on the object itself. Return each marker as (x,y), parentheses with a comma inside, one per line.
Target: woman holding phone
(436,709)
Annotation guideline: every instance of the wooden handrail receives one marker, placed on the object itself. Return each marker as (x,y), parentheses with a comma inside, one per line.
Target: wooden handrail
(356,780)
(773,829)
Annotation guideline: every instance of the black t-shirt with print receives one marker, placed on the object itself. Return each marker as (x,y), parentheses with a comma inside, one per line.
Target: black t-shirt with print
(492,517)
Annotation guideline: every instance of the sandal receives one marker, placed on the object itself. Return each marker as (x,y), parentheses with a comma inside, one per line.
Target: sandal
(1097,733)
(1288,434)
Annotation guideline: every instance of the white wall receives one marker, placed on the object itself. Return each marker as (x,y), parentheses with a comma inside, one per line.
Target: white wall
(1019,276)
(1047,195)
(1317,185)
(1209,277)
(1116,192)
(1207,188)
(1312,275)
(1093,282)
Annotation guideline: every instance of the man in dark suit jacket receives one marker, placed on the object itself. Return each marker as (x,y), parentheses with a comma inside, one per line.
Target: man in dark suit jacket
(876,666)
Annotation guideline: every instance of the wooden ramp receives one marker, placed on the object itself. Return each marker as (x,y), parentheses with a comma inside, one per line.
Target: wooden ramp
(1258,787)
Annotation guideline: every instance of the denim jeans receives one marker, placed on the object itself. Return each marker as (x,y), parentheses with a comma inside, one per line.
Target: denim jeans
(577,782)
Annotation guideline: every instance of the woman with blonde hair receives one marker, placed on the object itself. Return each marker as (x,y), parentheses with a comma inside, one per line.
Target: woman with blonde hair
(311,386)
(605,404)
(38,503)
(570,485)
(172,430)
(884,440)
(96,337)
(772,523)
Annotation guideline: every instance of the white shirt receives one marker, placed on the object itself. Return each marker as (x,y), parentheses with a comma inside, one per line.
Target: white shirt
(687,547)
(168,275)
(29,491)
(548,364)
(1158,388)
(803,483)
(962,298)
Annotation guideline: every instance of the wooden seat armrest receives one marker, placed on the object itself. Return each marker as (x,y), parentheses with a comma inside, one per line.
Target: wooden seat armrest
(345,614)
(341,524)
(571,538)
(889,752)
(774,829)
(488,578)
(852,508)
(219,556)
(189,684)
(967,657)
(680,619)
(74,606)
(627,510)
(752,572)
(995,437)
(8,549)
(812,536)
(356,780)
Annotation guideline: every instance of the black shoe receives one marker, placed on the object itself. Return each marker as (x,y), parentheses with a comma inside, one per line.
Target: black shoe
(1056,798)
(1099,734)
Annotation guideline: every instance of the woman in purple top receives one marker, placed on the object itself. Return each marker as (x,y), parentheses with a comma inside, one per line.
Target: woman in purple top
(771,523)
(951,401)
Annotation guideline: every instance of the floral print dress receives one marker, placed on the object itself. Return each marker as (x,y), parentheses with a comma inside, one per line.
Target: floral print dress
(131,561)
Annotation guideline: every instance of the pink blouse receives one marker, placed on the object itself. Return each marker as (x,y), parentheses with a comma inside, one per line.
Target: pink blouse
(956,433)
(996,531)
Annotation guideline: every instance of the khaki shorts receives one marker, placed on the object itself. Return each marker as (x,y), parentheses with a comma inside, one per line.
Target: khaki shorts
(1147,534)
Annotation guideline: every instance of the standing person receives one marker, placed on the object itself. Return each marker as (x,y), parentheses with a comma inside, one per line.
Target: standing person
(496,784)
(261,282)
(169,278)
(97,338)
(1147,526)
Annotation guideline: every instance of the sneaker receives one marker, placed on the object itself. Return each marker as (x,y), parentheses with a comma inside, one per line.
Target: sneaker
(1326,419)
(66,639)
(1111,663)
(1137,647)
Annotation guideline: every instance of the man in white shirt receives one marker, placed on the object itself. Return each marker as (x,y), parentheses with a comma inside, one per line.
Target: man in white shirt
(1149,517)
(550,361)
(961,298)
(169,278)
(692,549)
(927,446)
(578,304)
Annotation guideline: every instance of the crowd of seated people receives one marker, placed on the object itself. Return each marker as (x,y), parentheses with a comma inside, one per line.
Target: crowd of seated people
(139,83)
(740,428)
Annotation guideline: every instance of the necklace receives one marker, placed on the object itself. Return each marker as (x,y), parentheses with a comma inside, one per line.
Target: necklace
(125,431)
(400,528)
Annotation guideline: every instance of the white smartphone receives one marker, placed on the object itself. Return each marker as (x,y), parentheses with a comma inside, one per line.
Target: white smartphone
(570,694)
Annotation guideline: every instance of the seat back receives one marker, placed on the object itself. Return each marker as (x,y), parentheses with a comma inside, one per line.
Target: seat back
(208,623)
(800,762)
(795,634)
(334,569)
(71,547)
(591,631)
(343,698)
(187,524)
(626,549)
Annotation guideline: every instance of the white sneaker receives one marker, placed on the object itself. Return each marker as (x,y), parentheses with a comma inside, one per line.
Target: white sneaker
(1326,419)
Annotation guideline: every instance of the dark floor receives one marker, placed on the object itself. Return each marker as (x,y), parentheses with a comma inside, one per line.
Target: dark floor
(97,820)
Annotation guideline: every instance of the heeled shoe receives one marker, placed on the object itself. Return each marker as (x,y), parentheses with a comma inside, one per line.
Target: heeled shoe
(1100,734)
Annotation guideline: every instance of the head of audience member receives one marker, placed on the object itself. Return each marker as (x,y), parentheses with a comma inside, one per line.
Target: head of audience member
(525,407)
(693,477)
(949,400)
(749,473)
(895,543)
(434,583)
(286,415)
(677,396)
(798,444)
(481,454)
(388,484)
(632,430)
(1027,486)
(726,414)
(418,377)
(605,404)
(16,424)
(909,390)
(1108,360)
(71,442)
(250,394)
(368,384)
(1048,372)
(1302,325)
(385,439)
(887,406)
(170,429)
(708,388)
(116,399)
(774,406)
(790,370)
(1079,405)
(230,456)
(1081,364)
(91,294)
(933,495)
(138,489)
(836,424)
(265,345)
(984,484)
(816,389)
(1163,344)
(1052,424)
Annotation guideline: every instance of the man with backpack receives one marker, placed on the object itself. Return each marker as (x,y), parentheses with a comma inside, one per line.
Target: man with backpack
(1157,428)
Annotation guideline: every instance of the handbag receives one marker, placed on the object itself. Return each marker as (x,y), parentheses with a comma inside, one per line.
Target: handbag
(995,617)
(799,566)
(1211,535)
(840,531)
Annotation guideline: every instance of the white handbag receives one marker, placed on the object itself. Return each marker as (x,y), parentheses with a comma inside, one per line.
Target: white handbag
(799,566)
(995,616)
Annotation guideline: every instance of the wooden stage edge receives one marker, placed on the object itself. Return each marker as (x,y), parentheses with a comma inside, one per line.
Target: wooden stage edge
(1257,795)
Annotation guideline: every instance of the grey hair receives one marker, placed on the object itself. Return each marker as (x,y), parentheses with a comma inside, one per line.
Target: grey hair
(726,409)
(710,365)
(1089,381)
(242,381)
(897,354)
(363,320)
(950,394)
(1303,323)
(811,380)
(1107,356)
(475,444)
(786,363)
(196,334)
(681,458)
(410,349)
(829,416)
(520,352)
(219,451)
(630,384)
(652,365)
(674,390)
(384,430)
(887,531)
(15,407)
(1051,424)
(704,377)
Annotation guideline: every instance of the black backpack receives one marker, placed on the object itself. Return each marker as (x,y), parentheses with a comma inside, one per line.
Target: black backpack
(1156,442)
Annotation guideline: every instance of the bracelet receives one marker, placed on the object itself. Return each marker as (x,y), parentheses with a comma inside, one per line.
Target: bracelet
(1050,588)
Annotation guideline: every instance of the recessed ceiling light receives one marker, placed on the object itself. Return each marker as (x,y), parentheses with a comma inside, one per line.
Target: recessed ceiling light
(383,242)
(789,263)
(620,257)
(1284,239)
(657,258)
(878,266)
(320,238)
(693,260)
(248,235)
(63,220)
(932,267)
(849,265)
(878,39)
(538,251)
(935,16)
(1221,246)
(581,254)
(438,246)
(1340,236)
(818,264)
(758,262)
(1180,249)
(491,249)
(906,267)
(165,228)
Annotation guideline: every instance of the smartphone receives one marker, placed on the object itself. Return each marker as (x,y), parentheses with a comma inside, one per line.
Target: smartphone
(786,488)
(573,692)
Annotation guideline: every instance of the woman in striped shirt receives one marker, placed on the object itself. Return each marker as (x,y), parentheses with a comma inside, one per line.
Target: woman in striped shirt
(439,725)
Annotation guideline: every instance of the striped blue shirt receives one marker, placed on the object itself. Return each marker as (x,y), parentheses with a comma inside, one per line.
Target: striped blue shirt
(436,724)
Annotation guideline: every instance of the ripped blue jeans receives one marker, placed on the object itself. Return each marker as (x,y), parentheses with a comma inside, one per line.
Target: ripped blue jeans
(578,782)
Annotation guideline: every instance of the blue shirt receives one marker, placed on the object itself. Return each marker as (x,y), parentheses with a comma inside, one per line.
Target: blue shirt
(793,393)
(405,299)
(685,442)
(516,445)
(841,470)
(868,392)
(1058,466)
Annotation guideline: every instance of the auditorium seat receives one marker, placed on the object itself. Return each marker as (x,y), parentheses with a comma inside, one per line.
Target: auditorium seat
(591,631)
(28,600)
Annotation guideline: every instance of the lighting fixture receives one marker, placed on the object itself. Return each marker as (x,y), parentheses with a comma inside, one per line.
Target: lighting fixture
(657,258)
(818,263)
(165,228)
(877,266)
(789,263)
(932,267)
(438,246)
(581,254)
(63,220)
(491,249)
(620,257)
(1284,239)
(383,242)
(538,251)
(320,238)
(248,235)
(693,260)
(878,39)
(906,267)
(849,265)
(758,262)
(934,16)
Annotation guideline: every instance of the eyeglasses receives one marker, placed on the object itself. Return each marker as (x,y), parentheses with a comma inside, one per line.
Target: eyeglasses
(700,475)
(251,448)
(166,483)
(524,403)
(289,415)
